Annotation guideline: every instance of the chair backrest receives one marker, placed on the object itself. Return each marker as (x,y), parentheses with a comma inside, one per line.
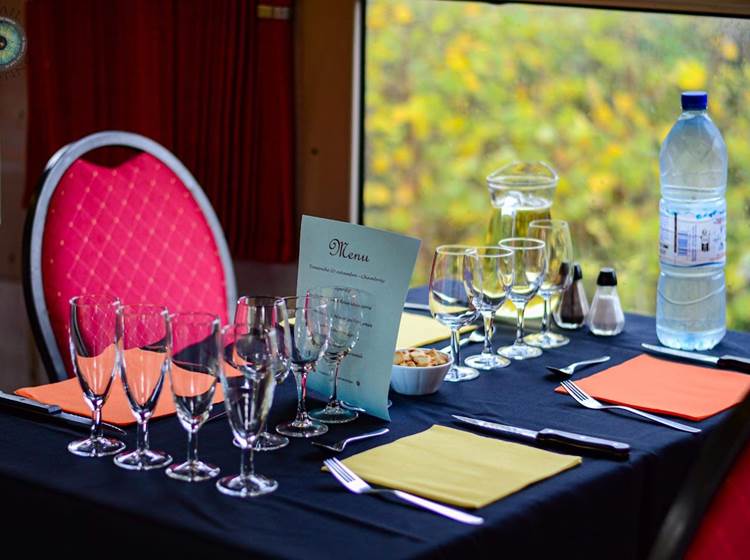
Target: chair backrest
(710,516)
(143,231)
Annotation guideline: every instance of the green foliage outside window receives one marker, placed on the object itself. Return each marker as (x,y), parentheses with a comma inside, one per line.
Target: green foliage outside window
(455,90)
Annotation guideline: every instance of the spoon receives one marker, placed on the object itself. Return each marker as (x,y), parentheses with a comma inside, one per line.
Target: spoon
(339,445)
(568,370)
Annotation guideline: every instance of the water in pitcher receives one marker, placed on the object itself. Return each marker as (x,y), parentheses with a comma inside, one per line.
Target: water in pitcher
(520,192)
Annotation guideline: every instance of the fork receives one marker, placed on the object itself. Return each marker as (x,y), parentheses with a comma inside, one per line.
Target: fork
(353,483)
(588,401)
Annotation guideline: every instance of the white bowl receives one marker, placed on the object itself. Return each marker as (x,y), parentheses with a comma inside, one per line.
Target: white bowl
(419,380)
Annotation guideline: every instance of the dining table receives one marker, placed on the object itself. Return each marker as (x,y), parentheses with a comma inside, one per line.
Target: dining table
(604,508)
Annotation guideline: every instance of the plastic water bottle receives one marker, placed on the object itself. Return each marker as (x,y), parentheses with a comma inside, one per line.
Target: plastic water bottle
(691,296)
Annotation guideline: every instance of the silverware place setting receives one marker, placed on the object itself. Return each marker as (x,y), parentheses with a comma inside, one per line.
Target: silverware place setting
(355,484)
(586,400)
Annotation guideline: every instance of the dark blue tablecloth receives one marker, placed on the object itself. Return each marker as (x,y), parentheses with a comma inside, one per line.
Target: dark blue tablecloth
(603,508)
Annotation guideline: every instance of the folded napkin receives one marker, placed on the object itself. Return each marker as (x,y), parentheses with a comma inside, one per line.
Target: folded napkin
(666,387)
(68,395)
(420,330)
(457,467)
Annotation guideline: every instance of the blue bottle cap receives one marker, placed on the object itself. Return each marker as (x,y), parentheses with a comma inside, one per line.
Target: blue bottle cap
(694,100)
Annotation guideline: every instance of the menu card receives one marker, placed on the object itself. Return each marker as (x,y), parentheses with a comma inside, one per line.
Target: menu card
(333,253)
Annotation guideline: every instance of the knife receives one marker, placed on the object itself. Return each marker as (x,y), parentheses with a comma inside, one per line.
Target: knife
(735,363)
(51,412)
(615,449)
(416,306)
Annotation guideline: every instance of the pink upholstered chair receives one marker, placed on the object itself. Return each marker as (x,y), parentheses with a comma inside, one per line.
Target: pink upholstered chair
(143,231)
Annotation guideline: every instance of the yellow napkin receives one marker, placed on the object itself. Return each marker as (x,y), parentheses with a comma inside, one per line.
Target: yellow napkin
(457,467)
(421,330)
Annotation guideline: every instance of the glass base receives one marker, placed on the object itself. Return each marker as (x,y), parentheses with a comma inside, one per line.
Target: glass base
(520,351)
(96,447)
(266,442)
(546,340)
(250,487)
(461,373)
(193,471)
(302,428)
(334,413)
(143,461)
(487,361)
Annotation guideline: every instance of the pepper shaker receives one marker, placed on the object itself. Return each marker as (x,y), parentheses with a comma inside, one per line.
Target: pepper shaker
(574,305)
(605,316)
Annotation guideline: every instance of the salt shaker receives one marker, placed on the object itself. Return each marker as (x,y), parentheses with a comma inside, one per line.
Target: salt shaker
(605,317)
(574,305)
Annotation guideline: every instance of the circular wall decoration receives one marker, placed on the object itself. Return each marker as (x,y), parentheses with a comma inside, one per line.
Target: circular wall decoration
(12,43)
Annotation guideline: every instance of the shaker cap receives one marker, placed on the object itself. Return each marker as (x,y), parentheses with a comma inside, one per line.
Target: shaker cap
(577,272)
(607,277)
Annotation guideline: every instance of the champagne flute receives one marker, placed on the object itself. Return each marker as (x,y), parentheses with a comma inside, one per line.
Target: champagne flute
(145,359)
(310,334)
(559,249)
(195,360)
(269,313)
(248,381)
(347,308)
(492,274)
(451,300)
(529,268)
(95,338)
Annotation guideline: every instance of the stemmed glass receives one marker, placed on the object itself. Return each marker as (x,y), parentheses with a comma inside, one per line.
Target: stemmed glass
(145,359)
(95,339)
(492,274)
(347,309)
(529,268)
(559,249)
(195,361)
(269,313)
(451,300)
(248,381)
(310,334)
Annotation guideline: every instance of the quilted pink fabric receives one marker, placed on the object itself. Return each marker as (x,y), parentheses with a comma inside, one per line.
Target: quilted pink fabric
(133,231)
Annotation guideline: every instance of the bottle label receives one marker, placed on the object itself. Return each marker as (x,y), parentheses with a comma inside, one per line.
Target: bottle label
(693,239)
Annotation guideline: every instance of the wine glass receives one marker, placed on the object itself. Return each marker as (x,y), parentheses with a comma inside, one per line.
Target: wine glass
(145,359)
(269,313)
(492,274)
(559,249)
(195,361)
(248,379)
(310,333)
(95,339)
(347,309)
(529,268)
(451,300)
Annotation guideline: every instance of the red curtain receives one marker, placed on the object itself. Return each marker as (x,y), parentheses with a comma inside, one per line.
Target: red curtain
(210,80)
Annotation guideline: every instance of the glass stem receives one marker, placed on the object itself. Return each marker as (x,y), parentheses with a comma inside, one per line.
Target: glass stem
(545,316)
(455,347)
(520,308)
(192,448)
(302,394)
(96,421)
(489,328)
(142,436)
(247,469)
(334,395)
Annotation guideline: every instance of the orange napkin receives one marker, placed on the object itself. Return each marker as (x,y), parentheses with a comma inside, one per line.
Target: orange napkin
(666,387)
(68,395)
